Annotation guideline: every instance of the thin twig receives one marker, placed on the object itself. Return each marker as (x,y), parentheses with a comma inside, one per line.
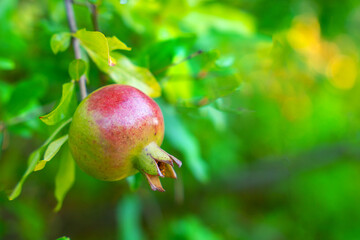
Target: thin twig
(95,21)
(94,16)
(76,43)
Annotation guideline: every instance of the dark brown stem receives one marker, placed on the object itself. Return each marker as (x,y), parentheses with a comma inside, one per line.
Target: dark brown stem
(76,43)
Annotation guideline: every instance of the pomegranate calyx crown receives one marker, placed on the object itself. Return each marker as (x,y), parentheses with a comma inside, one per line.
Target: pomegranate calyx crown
(153,162)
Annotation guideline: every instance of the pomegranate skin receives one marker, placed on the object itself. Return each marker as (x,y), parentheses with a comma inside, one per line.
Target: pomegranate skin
(111,127)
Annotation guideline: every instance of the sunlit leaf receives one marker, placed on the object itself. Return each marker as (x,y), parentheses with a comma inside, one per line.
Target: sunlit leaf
(34,159)
(77,68)
(65,108)
(65,176)
(186,91)
(128,215)
(116,44)
(118,67)
(201,80)
(125,72)
(51,151)
(220,17)
(60,42)
(96,45)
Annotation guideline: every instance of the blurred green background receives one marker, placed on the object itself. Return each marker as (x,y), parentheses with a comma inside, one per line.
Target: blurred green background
(265,118)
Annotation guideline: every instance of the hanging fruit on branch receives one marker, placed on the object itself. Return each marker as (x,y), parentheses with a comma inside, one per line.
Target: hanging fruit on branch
(117,131)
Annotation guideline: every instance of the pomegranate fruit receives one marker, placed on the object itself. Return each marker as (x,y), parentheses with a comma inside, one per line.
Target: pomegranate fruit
(116,131)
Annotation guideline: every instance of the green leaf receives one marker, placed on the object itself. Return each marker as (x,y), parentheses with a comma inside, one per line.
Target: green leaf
(96,45)
(128,216)
(125,72)
(60,42)
(190,227)
(6,64)
(65,177)
(119,68)
(5,93)
(77,68)
(51,151)
(2,130)
(63,238)
(34,159)
(22,98)
(201,80)
(182,139)
(55,133)
(231,104)
(115,44)
(65,108)
(219,17)
(161,54)
(30,219)
(134,181)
